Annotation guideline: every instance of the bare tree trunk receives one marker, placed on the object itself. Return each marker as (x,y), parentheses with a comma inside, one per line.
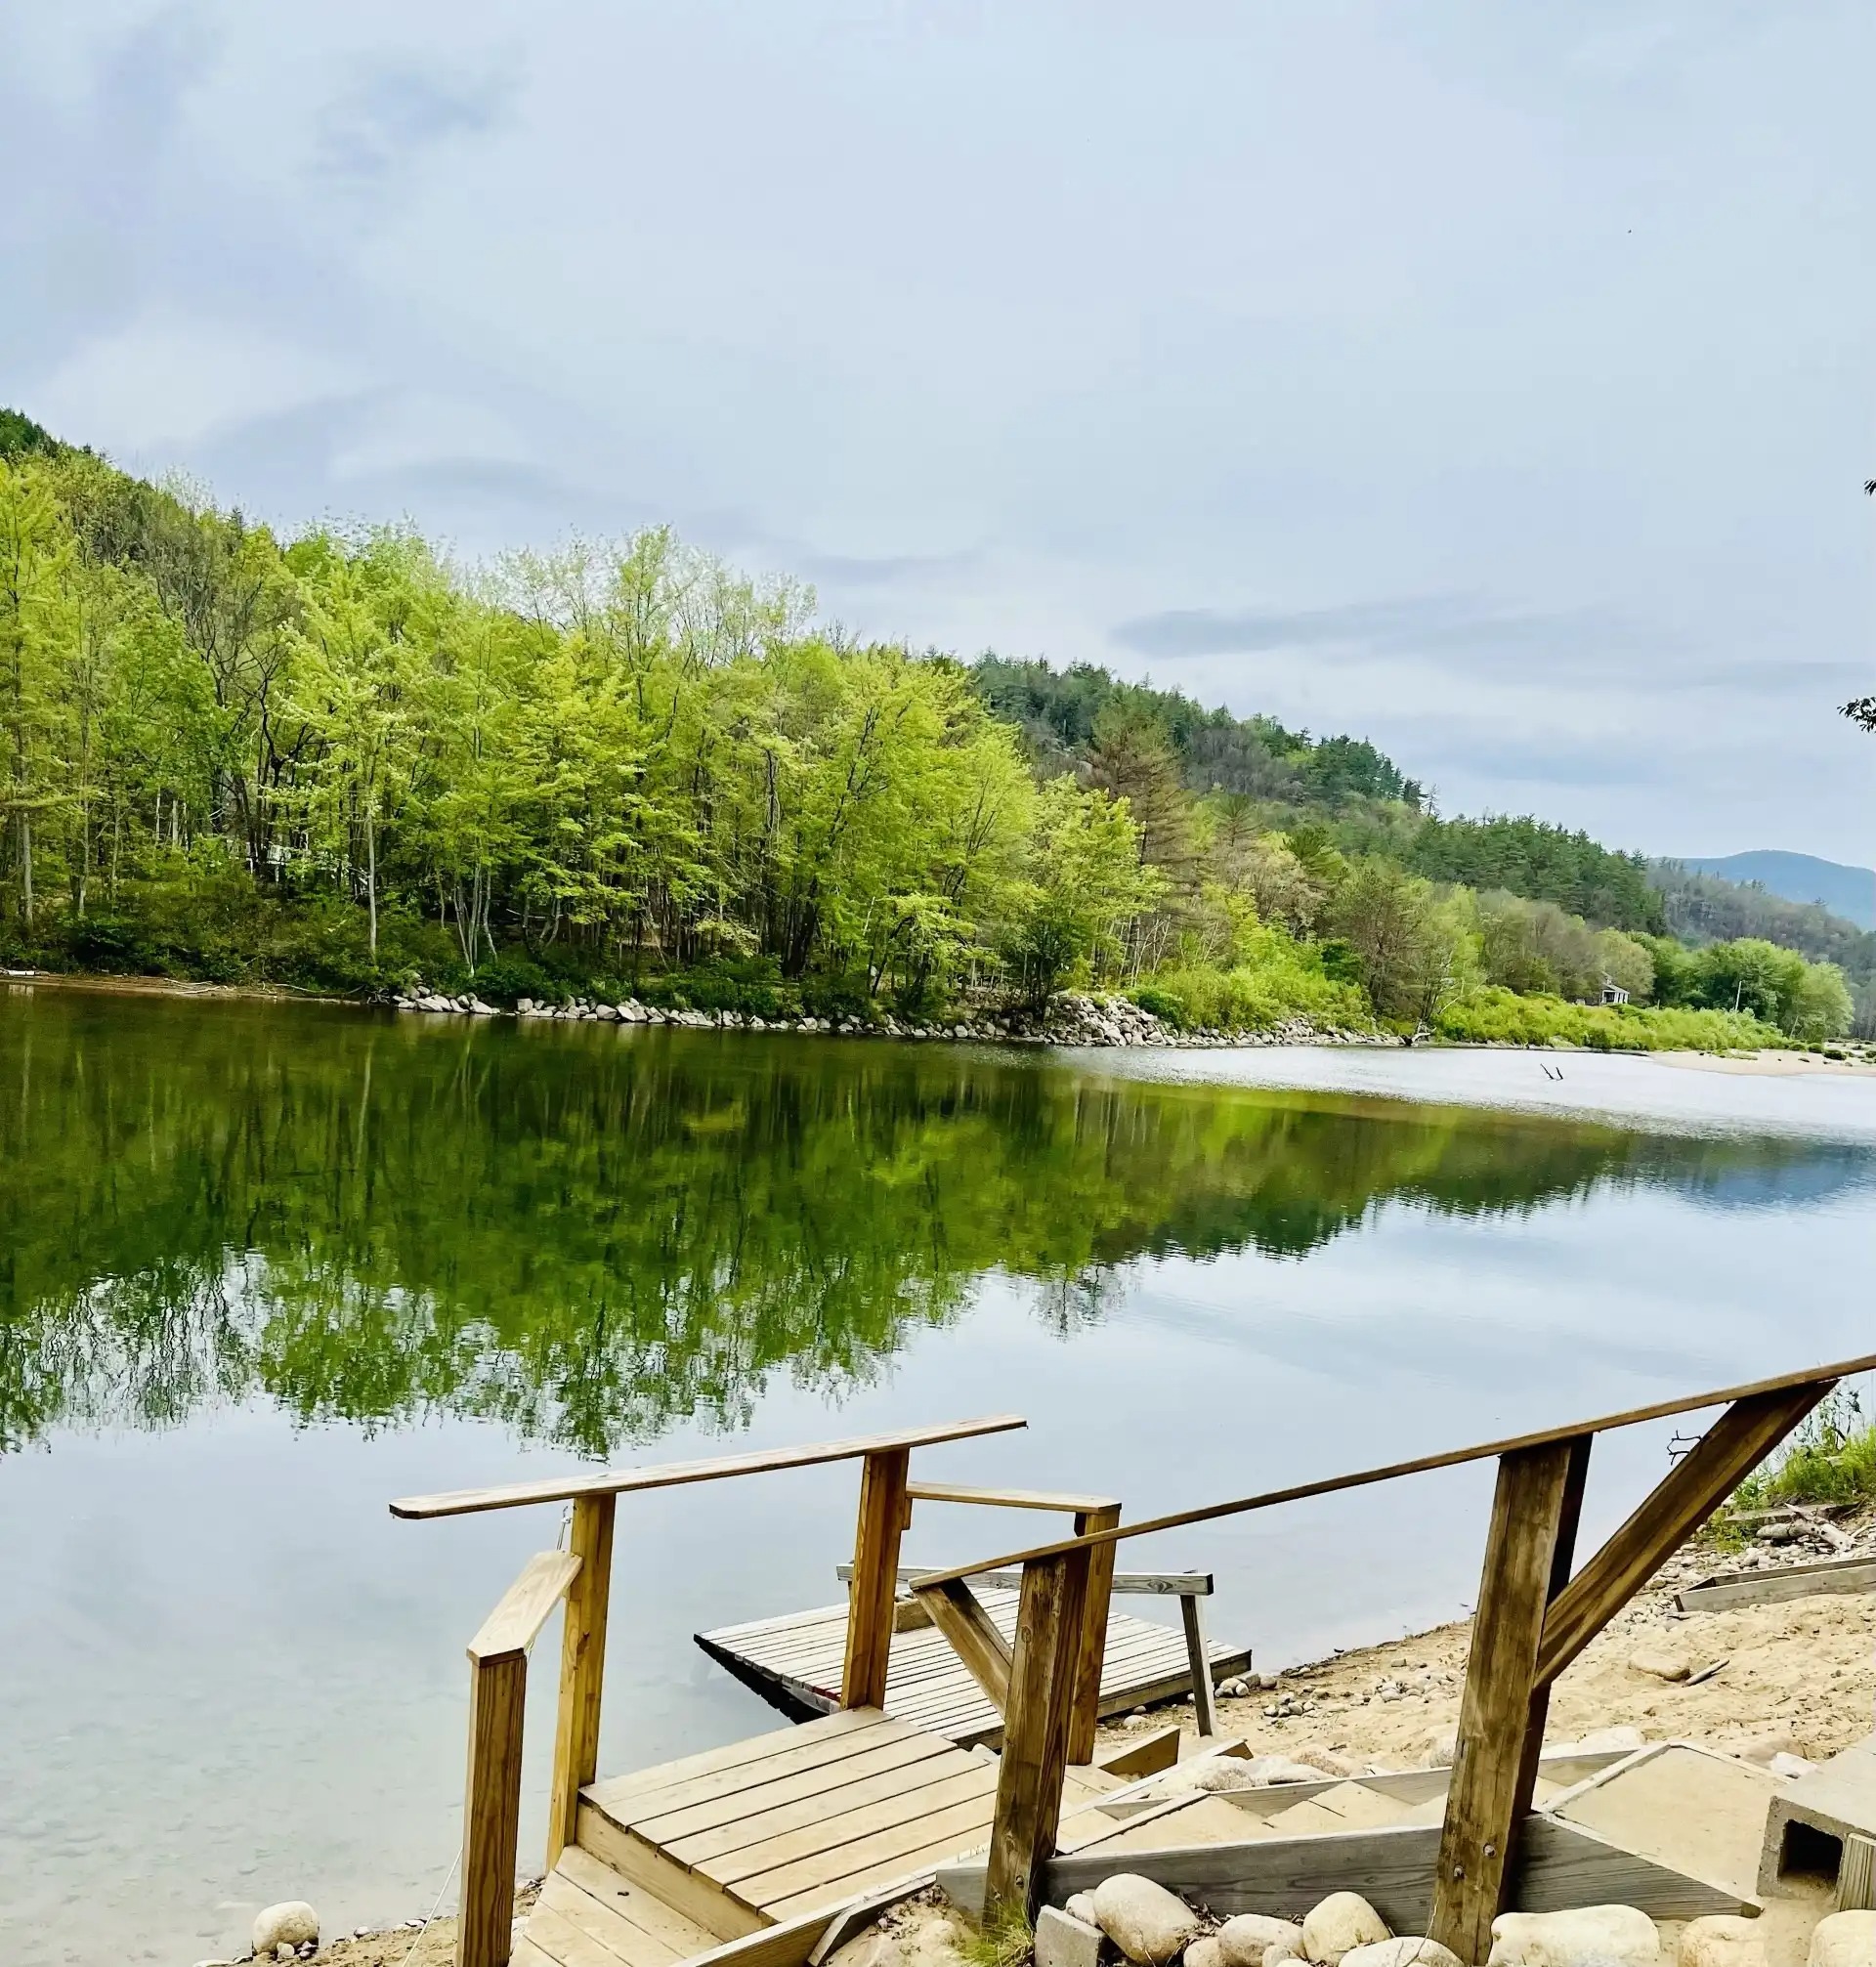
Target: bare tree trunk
(25,863)
(371,881)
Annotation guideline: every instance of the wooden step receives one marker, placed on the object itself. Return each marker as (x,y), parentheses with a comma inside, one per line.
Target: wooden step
(589,1916)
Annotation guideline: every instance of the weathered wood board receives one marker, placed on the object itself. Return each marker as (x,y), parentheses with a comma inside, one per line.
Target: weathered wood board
(1559,1865)
(1788,1581)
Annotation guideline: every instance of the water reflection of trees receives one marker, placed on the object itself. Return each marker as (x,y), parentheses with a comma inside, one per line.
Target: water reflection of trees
(586,1235)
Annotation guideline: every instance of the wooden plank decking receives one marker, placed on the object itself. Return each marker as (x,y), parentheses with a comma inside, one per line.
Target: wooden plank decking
(675,1861)
(795,1662)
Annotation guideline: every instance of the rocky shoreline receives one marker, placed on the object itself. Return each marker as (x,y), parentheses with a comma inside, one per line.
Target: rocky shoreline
(1068,1018)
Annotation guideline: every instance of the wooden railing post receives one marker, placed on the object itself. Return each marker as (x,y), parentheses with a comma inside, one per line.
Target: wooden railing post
(582,1669)
(883,1508)
(1033,1763)
(492,1809)
(1085,1709)
(1495,1710)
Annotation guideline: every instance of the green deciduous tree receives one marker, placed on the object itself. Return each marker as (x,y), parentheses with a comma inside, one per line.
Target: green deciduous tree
(39,646)
(1086,884)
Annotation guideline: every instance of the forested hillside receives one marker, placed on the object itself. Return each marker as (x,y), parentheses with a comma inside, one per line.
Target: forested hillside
(337,761)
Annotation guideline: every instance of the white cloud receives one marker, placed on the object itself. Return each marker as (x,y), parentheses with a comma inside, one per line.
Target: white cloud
(1011,324)
(426,427)
(170,380)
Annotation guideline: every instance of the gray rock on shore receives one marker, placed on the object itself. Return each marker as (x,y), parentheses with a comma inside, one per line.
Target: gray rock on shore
(290,1924)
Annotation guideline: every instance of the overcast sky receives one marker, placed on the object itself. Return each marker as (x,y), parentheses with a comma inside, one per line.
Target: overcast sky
(1493,381)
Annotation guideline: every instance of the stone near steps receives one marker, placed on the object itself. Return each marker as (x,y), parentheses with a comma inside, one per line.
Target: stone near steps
(1588,1935)
(1722,1939)
(1660,1662)
(1064,1942)
(1247,1940)
(1406,1951)
(1341,1923)
(1844,1939)
(1327,1760)
(1149,1924)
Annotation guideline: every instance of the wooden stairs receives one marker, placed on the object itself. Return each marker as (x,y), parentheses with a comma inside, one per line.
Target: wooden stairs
(762,1842)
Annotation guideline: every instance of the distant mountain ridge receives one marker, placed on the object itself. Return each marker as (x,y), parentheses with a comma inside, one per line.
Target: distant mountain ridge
(1849,892)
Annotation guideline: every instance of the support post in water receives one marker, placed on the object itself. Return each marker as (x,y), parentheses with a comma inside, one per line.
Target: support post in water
(884,1509)
(492,1809)
(1034,1764)
(1513,1592)
(1085,1712)
(582,1669)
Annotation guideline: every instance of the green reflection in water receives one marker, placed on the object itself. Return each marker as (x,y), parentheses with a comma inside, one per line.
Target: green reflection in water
(589,1233)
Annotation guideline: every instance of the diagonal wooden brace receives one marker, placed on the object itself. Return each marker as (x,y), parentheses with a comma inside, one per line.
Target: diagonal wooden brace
(960,1615)
(1699,1482)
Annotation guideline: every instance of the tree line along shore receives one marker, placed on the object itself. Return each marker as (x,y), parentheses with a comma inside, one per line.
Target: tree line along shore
(626,772)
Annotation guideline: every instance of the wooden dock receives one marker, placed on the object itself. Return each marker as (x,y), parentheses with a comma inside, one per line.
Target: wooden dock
(796,1664)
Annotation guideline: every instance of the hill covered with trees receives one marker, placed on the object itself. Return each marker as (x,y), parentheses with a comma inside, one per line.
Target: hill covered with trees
(338,762)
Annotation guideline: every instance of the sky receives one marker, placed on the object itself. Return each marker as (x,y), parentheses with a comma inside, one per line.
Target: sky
(1493,382)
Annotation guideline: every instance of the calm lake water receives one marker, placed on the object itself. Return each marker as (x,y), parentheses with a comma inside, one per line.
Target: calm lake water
(265,1267)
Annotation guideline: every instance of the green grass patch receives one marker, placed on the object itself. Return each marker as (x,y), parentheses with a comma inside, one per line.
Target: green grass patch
(1831,1459)
(1497,1017)
(1279,980)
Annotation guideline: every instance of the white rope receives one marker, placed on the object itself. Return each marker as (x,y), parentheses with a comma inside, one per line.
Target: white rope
(434,1904)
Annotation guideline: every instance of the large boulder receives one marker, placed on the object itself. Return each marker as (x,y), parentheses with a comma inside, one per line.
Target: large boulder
(1402,1953)
(1587,1936)
(1341,1923)
(1204,1951)
(1722,1939)
(291,1923)
(1149,1924)
(1246,1939)
(1844,1939)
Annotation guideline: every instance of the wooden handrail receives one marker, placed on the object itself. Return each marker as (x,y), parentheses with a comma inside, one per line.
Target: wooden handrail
(525,1608)
(1534,1614)
(1007,1499)
(491,1802)
(674,1474)
(1137,1584)
(1485,1451)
